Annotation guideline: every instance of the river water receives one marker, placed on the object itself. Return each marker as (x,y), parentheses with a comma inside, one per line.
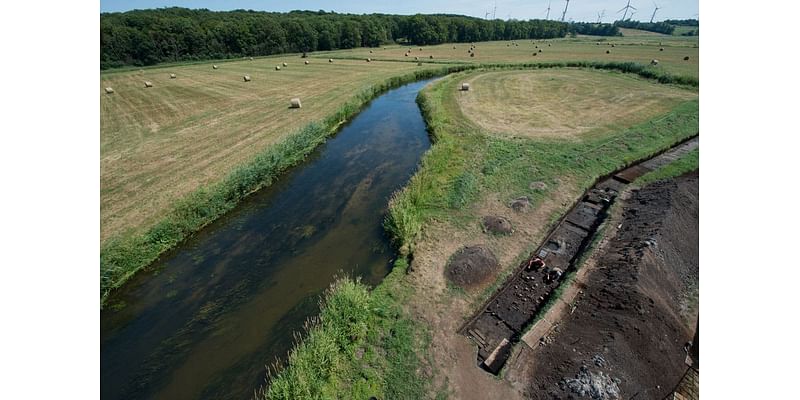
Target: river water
(203,321)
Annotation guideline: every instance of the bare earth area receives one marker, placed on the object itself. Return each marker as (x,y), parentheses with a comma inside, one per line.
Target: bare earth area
(627,334)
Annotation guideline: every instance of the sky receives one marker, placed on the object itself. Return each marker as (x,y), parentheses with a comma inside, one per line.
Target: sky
(579,10)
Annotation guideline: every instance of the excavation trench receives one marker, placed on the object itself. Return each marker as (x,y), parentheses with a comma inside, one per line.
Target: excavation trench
(505,317)
(203,321)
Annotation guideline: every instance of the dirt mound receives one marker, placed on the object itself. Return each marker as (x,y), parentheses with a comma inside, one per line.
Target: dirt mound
(638,309)
(521,204)
(538,185)
(497,225)
(471,266)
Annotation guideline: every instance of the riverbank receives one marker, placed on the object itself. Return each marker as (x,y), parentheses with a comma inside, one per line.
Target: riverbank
(468,173)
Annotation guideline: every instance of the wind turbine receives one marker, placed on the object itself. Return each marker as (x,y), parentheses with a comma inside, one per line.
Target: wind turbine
(626,8)
(548,10)
(654,12)
(565,11)
(486,16)
(600,16)
(631,17)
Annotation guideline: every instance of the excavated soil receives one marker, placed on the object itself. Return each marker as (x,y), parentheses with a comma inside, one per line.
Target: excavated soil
(496,225)
(471,266)
(626,338)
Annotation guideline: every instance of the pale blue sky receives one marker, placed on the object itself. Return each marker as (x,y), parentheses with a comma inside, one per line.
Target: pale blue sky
(579,10)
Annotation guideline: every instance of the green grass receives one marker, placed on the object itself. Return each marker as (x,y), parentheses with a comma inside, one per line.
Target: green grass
(686,163)
(507,166)
(361,345)
(124,255)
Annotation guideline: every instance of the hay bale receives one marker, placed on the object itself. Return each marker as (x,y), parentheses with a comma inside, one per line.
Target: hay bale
(535,54)
(431,56)
(654,62)
(472,54)
(148,84)
(370,52)
(406,54)
(251,58)
(416,58)
(608,51)
(295,103)
(420,49)
(419,64)
(330,60)
(246,78)
(277,68)
(471,266)
(540,50)
(172,76)
(285,65)
(686,58)
(598,43)
(306,62)
(548,45)
(496,225)
(465,86)
(454,47)
(109,90)
(661,49)
(214,66)
(613,45)
(369,59)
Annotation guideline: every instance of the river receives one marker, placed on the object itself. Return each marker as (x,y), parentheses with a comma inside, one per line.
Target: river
(204,320)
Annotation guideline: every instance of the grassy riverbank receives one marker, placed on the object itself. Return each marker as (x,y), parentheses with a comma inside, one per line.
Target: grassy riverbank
(466,165)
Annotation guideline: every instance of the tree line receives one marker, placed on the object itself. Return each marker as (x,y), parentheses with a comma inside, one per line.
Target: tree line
(659,27)
(148,37)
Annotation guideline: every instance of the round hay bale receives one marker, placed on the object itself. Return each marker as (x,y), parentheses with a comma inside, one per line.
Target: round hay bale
(369,59)
(246,78)
(416,58)
(496,225)
(251,58)
(277,68)
(419,64)
(431,56)
(370,52)
(172,76)
(520,204)
(214,66)
(472,54)
(613,45)
(330,60)
(654,62)
(295,103)
(686,58)
(471,266)
(454,47)
(306,62)
(465,86)
(420,49)
(109,90)
(540,50)
(598,43)
(548,45)
(148,84)
(608,51)
(661,49)
(285,65)
(406,54)
(538,185)
(535,54)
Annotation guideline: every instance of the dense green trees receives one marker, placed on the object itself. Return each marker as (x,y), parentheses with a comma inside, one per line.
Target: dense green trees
(585,28)
(659,27)
(147,37)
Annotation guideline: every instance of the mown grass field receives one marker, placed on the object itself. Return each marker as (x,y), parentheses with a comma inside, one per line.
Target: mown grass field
(563,102)
(159,144)
(638,48)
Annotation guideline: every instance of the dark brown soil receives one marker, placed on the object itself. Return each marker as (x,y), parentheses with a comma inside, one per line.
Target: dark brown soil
(626,338)
(496,225)
(471,266)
